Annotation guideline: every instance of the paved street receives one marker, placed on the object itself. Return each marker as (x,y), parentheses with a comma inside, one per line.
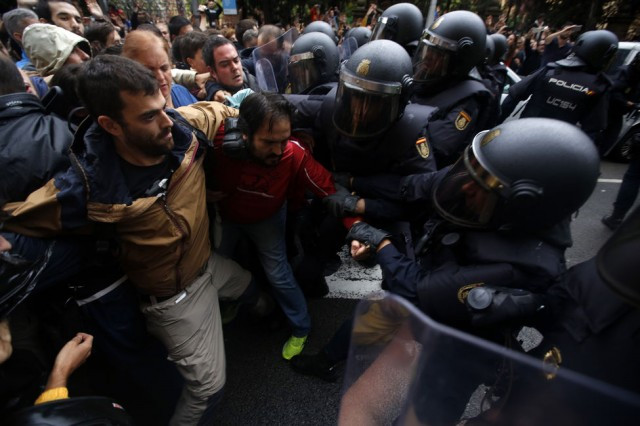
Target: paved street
(261,387)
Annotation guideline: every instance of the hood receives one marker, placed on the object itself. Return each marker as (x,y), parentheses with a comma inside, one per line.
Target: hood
(49,46)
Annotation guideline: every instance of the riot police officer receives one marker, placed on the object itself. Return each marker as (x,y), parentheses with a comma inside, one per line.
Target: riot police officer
(446,54)
(367,129)
(361,35)
(321,27)
(573,89)
(313,61)
(402,23)
(494,73)
(497,240)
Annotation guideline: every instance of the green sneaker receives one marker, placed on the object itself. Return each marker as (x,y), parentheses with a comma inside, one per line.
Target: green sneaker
(293,347)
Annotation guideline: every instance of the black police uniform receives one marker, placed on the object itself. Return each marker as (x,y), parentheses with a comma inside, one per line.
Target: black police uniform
(377,163)
(567,93)
(495,78)
(463,111)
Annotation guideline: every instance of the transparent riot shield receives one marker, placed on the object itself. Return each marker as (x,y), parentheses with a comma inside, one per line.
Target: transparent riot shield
(346,49)
(271,61)
(406,369)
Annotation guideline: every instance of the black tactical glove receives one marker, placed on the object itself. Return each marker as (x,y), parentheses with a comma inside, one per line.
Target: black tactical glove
(342,179)
(341,203)
(367,234)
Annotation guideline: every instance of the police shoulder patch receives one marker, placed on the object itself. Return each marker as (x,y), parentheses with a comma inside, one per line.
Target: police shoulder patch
(423,147)
(462,120)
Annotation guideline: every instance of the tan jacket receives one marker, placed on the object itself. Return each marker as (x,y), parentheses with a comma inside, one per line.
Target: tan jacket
(164,240)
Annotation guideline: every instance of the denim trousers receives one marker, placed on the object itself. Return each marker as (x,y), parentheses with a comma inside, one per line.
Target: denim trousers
(268,236)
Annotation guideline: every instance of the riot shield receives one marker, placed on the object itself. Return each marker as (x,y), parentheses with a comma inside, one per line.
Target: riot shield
(406,369)
(271,61)
(346,49)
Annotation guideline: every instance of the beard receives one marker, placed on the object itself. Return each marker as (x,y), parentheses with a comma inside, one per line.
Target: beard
(271,160)
(152,145)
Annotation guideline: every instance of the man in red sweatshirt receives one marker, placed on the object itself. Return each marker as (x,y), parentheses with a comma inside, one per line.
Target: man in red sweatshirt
(260,171)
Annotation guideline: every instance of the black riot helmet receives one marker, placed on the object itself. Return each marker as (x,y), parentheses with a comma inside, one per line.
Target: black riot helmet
(321,27)
(527,174)
(402,23)
(362,35)
(596,48)
(373,89)
(313,60)
(499,48)
(490,50)
(617,260)
(453,45)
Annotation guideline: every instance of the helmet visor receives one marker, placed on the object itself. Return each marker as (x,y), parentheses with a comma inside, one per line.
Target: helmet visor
(365,108)
(468,195)
(431,61)
(303,72)
(385,28)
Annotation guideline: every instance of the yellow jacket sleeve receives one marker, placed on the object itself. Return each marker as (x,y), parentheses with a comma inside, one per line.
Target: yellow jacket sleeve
(207,116)
(52,395)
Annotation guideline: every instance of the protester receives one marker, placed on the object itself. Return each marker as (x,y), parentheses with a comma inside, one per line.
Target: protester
(61,13)
(15,21)
(225,67)
(150,50)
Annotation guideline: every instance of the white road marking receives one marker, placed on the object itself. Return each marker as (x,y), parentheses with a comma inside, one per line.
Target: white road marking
(609,180)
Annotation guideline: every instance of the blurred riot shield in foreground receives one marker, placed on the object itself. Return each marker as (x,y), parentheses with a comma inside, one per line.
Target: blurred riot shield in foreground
(406,369)
(271,60)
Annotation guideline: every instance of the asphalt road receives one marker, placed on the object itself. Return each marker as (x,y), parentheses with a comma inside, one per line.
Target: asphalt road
(261,387)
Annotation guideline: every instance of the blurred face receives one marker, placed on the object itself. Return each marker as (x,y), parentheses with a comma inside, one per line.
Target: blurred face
(113,39)
(66,16)
(268,145)
(185,29)
(164,29)
(197,63)
(28,87)
(145,129)
(78,56)
(155,58)
(228,70)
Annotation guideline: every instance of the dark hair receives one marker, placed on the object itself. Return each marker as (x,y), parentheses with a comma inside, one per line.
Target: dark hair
(210,46)
(66,78)
(176,23)
(11,81)
(97,34)
(151,28)
(44,12)
(191,43)
(261,106)
(176,51)
(103,78)
(116,50)
(244,25)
